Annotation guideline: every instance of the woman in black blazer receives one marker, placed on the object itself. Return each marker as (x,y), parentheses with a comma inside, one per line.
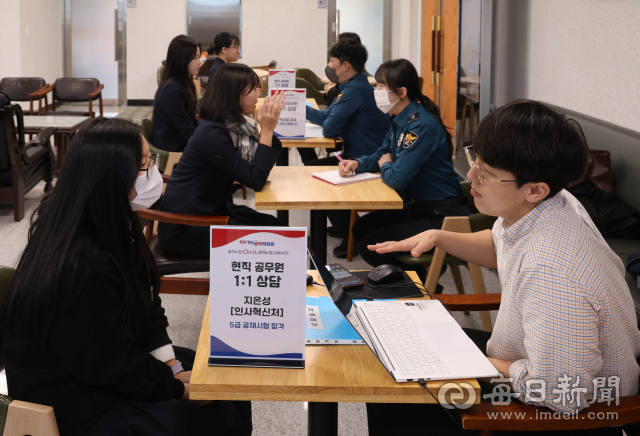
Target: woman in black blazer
(225,147)
(174,108)
(85,331)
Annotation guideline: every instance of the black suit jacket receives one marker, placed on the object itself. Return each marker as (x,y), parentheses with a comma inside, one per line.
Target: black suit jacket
(173,124)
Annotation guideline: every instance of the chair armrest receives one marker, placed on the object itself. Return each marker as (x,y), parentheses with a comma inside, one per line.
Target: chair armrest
(480,416)
(41,92)
(179,218)
(469,302)
(165,178)
(42,137)
(184,286)
(96,92)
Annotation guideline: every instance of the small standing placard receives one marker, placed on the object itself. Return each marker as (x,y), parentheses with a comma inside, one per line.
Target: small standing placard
(257,296)
(282,79)
(293,118)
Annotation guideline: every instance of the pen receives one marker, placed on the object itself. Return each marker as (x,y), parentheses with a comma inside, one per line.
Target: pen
(345,164)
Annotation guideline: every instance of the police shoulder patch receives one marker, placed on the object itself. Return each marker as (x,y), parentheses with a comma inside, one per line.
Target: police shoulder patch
(339,97)
(413,117)
(409,139)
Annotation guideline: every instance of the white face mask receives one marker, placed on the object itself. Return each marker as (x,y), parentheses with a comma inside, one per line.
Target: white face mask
(382,100)
(149,189)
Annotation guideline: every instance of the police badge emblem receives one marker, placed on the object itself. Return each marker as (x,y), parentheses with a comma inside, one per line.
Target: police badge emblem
(410,139)
(339,97)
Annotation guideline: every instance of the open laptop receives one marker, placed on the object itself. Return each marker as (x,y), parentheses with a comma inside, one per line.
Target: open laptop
(413,339)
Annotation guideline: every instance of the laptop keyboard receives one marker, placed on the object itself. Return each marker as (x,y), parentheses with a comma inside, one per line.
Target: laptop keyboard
(400,337)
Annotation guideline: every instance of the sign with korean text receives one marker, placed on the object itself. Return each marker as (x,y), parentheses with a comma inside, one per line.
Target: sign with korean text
(293,118)
(257,296)
(282,79)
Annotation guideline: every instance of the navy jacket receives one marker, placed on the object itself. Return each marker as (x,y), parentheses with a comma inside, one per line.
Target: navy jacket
(421,164)
(355,114)
(173,124)
(201,182)
(213,69)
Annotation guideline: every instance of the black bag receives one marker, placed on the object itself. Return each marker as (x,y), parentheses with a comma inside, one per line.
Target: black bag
(633,264)
(614,217)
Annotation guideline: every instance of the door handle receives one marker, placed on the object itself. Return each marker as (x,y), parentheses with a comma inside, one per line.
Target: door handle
(433,49)
(115,33)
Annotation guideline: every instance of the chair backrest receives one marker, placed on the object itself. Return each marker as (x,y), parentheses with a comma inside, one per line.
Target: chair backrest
(159,74)
(5,160)
(205,68)
(17,88)
(312,91)
(310,76)
(74,89)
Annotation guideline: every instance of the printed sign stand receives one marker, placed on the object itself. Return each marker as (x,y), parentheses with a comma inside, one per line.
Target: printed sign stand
(282,79)
(257,296)
(293,118)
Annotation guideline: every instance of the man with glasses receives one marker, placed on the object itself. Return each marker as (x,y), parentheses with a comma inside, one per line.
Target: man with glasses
(567,317)
(226,47)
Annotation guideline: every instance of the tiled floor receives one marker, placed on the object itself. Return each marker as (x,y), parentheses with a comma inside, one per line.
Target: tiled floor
(185,312)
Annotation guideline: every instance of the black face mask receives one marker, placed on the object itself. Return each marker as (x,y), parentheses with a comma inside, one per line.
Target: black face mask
(331,74)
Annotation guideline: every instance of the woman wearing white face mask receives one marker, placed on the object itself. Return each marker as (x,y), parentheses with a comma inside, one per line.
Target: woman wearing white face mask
(85,330)
(415,158)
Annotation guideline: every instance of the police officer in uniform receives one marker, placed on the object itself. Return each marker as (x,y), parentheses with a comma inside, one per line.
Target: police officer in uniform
(354,115)
(415,159)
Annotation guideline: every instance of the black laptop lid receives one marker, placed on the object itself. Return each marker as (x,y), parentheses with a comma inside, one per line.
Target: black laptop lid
(340,298)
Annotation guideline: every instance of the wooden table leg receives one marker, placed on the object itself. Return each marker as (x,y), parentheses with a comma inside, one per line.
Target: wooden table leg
(323,419)
(318,229)
(283,215)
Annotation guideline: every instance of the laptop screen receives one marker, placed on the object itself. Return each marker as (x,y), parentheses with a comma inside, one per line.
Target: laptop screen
(340,298)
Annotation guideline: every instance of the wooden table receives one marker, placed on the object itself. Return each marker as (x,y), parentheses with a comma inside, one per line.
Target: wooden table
(303,143)
(333,373)
(67,127)
(293,188)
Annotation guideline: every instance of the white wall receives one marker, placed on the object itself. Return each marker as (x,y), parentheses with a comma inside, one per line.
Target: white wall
(151,26)
(582,55)
(406,31)
(40,53)
(10,37)
(292,32)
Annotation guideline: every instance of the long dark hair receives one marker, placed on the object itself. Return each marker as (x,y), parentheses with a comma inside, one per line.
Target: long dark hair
(221,100)
(87,216)
(222,40)
(401,73)
(182,50)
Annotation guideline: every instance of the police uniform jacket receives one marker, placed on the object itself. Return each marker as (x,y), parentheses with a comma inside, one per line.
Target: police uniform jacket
(421,164)
(355,114)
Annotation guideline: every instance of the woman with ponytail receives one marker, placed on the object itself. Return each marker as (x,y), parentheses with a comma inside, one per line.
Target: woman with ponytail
(414,159)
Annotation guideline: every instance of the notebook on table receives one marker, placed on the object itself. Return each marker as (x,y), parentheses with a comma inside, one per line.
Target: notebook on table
(413,339)
(335,178)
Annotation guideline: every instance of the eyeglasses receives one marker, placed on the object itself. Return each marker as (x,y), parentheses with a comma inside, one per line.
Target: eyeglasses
(481,176)
(153,158)
(237,47)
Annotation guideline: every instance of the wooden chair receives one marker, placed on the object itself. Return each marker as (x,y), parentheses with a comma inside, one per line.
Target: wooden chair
(26,89)
(22,166)
(169,264)
(19,418)
(476,222)
(487,418)
(73,90)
